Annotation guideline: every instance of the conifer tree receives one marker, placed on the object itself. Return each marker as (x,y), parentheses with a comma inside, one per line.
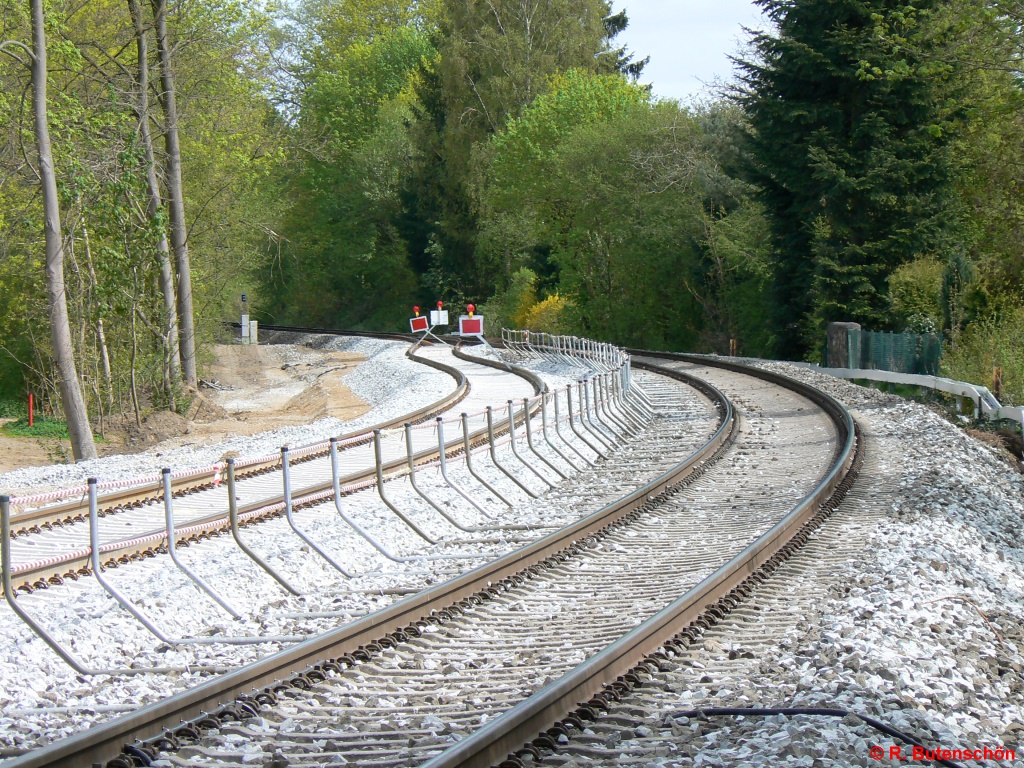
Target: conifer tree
(851,143)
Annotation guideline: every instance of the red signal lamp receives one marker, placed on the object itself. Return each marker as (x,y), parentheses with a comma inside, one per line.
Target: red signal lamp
(471,308)
(416,309)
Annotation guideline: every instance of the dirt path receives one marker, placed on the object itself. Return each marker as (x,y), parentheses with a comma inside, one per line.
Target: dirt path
(252,389)
(18,452)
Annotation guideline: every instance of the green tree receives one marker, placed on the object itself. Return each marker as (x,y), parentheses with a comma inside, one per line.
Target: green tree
(72,399)
(648,241)
(113,224)
(516,173)
(341,232)
(496,58)
(850,141)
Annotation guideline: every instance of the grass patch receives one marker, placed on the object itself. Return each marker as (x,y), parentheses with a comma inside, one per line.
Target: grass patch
(43,427)
(12,408)
(988,343)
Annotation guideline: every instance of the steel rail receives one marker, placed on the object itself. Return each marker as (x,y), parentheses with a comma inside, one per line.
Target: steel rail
(76,563)
(538,384)
(77,510)
(306,661)
(542,716)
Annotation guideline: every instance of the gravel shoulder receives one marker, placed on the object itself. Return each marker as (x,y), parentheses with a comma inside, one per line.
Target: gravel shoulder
(299,391)
(907,606)
(928,619)
(920,625)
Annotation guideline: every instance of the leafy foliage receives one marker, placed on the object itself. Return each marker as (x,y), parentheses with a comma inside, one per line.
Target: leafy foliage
(341,231)
(993,341)
(548,315)
(621,201)
(112,263)
(518,169)
(511,306)
(915,291)
(11,408)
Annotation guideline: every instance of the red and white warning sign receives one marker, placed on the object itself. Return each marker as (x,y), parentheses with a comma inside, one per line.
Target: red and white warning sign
(418,324)
(471,324)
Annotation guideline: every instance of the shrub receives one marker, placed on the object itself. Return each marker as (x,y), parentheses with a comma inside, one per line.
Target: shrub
(994,341)
(547,316)
(11,408)
(509,308)
(915,292)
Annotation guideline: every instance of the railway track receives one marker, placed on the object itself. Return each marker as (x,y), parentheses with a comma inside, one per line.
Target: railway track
(152,577)
(52,543)
(534,633)
(733,664)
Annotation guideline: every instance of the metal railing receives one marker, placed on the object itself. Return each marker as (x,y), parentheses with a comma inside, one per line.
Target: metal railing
(600,410)
(984,403)
(598,355)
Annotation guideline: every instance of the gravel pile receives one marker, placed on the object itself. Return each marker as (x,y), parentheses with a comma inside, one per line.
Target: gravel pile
(556,373)
(388,381)
(921,627)
(42,699)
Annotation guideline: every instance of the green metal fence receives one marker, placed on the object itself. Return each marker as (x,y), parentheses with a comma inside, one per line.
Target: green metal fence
(901,352)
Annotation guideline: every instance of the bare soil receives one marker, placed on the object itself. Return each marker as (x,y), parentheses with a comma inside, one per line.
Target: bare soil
(248,389)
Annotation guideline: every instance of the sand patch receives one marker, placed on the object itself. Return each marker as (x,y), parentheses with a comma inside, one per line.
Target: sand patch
(248,389)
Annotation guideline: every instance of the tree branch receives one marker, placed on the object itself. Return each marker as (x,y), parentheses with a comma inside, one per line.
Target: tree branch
(17,44)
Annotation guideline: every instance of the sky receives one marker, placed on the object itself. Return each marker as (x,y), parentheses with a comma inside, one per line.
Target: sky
(689,41)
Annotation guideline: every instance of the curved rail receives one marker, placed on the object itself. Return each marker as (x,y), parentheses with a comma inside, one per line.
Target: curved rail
(148,490)
(306,661)
(76,563)
(568,698)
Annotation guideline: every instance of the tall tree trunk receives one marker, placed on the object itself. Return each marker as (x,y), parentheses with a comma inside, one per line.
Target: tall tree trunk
(135,360)
(82,445)
(101,336)
(175,198)
(153,192)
